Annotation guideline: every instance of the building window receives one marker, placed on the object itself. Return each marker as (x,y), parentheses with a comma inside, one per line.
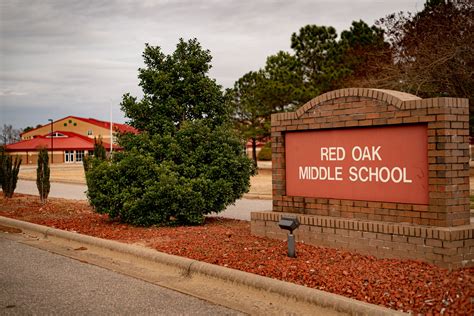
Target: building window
(69,156)
(65,124)
(79,155)
(56,134)
(89,132)
(90,153)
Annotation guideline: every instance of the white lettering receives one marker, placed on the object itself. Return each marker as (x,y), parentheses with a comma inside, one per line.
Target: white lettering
(400,176)
(324,153)
(376,174)
(341,153)
(367,153)
(360,174)
(321,171)
(333,153)
(356,153)
(353,174)
(375,152)
(304,173)
(338,174)
(405,180)
(373,173)
(387,178)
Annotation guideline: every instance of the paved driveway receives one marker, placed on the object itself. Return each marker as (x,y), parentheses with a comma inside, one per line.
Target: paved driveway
(38,282)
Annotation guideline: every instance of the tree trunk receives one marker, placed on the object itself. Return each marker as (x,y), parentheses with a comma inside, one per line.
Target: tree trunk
(254,150)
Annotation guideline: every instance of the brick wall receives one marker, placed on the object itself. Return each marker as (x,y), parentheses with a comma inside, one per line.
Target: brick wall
(447,247)
(447,121)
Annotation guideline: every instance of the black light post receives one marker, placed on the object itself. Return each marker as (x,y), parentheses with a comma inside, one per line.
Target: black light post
(290,223)
(52,152)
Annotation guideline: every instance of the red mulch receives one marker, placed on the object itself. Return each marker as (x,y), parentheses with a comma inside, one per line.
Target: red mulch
(398,284)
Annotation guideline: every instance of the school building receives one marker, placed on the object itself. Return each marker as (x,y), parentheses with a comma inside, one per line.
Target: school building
(68,139)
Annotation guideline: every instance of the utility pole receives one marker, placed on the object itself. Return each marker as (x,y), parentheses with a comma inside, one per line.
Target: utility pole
(111,136)
(52,149)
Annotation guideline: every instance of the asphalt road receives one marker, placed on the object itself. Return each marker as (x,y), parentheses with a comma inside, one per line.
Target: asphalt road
(240,210)
(34,281)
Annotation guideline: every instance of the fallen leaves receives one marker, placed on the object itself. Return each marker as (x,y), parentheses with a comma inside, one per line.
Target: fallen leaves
(408,285)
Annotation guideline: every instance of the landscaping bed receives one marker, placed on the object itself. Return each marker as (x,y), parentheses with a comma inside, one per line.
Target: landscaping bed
(406,285)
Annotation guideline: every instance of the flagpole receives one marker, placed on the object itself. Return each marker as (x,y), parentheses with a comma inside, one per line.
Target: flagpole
(111,136)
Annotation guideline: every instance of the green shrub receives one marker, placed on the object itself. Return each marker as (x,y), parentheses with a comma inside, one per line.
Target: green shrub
(265,153)
(99,153)
(164,179)
(42,175)
(10,169)
(186,162)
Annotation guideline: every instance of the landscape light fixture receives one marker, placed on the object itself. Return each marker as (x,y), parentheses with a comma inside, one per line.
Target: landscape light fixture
(52,153)
(290,223)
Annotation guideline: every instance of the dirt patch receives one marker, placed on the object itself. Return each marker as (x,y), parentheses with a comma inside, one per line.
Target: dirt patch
(398,284)
(67,173)
(261,185)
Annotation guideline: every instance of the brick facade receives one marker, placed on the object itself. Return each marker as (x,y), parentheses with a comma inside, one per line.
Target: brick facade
(447,212)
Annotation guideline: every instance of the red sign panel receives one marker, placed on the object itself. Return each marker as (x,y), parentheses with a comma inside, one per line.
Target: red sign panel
(388,164)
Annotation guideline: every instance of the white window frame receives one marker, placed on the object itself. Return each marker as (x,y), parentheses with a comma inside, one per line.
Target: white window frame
(79,154)
(69,156)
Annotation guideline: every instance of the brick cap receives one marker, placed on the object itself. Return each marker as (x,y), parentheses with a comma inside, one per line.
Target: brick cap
(392,97)
(398,99)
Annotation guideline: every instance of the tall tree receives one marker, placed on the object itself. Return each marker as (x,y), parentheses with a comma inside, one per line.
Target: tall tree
(317,50)
(249,112)
(434,49)
(283,87)
(365,54)
(176,88)
(256,95)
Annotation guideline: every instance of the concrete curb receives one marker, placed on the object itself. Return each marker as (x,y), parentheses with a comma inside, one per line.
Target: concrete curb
(190,266)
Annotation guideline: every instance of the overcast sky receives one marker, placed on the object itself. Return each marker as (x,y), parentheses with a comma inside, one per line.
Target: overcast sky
(62,58)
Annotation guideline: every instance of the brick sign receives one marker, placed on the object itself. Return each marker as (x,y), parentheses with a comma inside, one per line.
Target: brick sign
(379,172)
(387,164)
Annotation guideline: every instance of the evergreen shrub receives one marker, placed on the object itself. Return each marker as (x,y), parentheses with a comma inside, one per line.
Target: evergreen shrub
(10,168)
(166,180)
(42,175)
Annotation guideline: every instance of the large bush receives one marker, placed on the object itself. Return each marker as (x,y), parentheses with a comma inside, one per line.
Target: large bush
(164,179)
(186,162)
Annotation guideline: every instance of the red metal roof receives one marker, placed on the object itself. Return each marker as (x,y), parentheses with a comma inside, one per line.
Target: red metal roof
(122,128)
(71,141)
